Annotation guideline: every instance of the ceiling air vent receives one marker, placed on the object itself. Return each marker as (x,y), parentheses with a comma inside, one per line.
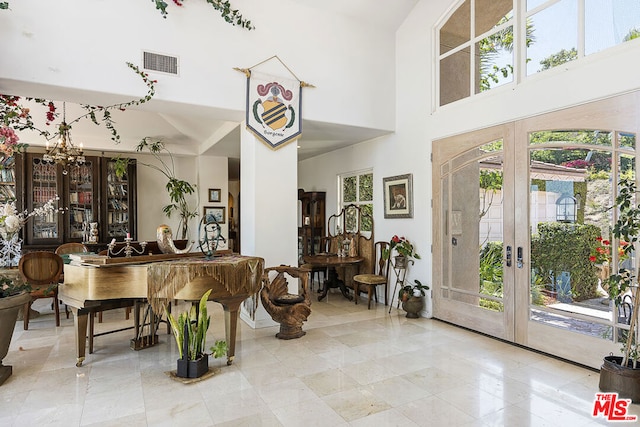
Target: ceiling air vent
(162,63)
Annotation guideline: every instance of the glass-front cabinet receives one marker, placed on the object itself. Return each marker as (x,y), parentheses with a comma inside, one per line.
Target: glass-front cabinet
(119,207)
(77,189)
(89,194)
(10,180)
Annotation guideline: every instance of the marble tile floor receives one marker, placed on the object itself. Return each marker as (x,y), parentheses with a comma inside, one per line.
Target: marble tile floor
(355,367)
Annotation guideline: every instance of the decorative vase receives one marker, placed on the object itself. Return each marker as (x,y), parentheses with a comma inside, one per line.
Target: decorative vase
(10,251)
(413,306)
(9,307)
(193,368)
(620,379)
(401,261)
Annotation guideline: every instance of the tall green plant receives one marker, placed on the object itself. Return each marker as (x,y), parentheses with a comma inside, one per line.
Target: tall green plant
(198,321)
(178,189)
(627,231)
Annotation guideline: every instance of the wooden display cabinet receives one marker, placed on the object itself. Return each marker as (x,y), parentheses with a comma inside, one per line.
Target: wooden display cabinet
(88,193)
(313,227)
(119,202)
(77,189)
(11,180)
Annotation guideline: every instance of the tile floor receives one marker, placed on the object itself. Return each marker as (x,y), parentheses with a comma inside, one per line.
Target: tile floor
(355,367)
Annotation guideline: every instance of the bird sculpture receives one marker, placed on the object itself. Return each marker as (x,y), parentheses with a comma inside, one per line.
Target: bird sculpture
(164,237)
(290,310)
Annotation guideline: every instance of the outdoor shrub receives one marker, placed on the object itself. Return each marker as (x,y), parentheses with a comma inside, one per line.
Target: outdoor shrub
(562,247)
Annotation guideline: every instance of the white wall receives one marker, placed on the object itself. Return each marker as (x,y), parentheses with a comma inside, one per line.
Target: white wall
(83,45)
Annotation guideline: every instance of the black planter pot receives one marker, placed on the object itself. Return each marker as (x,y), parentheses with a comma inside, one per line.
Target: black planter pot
(623,380)
(193,368)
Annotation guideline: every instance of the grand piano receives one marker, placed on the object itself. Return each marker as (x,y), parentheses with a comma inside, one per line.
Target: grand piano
(93,286)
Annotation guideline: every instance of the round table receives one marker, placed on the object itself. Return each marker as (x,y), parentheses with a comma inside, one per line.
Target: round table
(331,261)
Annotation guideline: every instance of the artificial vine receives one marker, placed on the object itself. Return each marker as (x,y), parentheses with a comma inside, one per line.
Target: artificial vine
(232,16)
(17,117)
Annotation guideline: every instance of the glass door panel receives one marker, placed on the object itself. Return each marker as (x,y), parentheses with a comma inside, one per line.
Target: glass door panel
(46,184)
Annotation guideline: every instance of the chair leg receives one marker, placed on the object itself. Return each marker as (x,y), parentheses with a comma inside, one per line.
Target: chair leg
(372,289)
(56,310)
(356,293)
(25,315)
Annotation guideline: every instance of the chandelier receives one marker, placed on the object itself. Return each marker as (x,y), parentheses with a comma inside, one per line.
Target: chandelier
(63,151)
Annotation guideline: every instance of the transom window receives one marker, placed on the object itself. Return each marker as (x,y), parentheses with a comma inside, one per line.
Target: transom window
(482,44)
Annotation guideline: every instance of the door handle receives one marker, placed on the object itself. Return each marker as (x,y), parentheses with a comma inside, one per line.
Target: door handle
(508,259)
(519,260)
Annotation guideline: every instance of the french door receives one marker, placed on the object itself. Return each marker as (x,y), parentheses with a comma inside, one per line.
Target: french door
(522,242)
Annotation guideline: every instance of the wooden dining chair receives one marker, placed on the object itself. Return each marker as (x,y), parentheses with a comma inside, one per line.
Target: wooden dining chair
(41,270)
(378,275)
(71,248)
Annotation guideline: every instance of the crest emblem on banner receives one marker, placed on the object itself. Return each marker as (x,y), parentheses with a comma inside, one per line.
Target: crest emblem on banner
(273,108)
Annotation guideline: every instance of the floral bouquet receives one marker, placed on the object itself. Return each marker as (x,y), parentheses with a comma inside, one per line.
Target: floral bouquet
(402,246)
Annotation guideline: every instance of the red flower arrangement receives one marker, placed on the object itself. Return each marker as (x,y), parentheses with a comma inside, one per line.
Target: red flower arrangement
(601,253)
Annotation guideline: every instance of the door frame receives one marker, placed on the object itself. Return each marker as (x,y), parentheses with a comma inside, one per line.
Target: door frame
(621,112)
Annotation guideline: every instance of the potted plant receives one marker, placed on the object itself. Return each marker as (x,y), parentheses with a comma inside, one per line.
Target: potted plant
(177,189)
(621,374)
(411,297)
(14,294)
(404,250)
(190,332)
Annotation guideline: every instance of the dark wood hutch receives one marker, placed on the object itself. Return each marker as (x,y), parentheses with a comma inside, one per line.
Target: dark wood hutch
(89,193)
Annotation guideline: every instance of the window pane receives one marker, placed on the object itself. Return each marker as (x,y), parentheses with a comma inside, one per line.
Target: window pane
(367,217)
(554,37)
(627,140)
(457,29)
(366,187)
(454,77)
(349,189)
(608,23)
(597,137)
(494,56)
(490,13)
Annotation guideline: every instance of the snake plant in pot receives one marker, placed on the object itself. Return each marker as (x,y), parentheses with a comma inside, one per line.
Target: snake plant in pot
(190,332)
(621,374)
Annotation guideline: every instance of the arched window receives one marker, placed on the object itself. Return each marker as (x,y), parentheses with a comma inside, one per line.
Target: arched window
(480,39)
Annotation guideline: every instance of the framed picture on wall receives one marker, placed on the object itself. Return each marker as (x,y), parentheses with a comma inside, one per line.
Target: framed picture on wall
(214,194)
(398,196)
(216,213)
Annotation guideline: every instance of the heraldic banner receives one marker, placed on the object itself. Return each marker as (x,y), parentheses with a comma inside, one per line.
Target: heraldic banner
(273,108)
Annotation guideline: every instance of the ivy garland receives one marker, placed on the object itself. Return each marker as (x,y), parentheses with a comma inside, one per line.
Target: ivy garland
(231,16)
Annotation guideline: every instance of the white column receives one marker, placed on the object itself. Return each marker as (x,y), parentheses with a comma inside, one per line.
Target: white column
(268,208)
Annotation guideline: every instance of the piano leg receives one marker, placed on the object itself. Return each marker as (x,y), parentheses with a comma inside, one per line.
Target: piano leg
(80,323)
(231,307)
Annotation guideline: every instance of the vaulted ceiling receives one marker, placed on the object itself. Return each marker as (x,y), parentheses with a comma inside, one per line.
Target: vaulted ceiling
(200,130)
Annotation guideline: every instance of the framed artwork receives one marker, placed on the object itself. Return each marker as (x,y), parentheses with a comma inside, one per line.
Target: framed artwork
(398,196)
(214,194)
(215,213)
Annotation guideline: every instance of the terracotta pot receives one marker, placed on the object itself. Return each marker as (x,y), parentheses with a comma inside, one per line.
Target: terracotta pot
(620,379)
(9,308)
(413,306)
